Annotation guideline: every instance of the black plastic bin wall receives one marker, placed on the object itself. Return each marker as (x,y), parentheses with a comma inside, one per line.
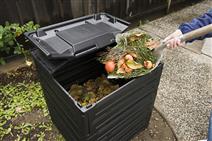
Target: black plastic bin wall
(118,116)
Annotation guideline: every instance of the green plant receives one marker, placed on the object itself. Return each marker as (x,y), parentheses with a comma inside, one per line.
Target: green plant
(2,61)
(8,35)
(30,26)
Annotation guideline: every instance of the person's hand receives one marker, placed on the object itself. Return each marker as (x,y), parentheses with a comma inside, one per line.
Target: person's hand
(173,40)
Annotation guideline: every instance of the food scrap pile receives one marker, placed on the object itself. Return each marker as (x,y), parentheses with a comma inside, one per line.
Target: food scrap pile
(92,90)
(131,57)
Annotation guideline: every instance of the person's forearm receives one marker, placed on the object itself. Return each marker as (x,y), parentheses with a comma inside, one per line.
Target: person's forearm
(196,23)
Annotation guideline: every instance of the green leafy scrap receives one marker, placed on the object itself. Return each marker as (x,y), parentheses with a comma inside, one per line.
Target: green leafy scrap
(92,90)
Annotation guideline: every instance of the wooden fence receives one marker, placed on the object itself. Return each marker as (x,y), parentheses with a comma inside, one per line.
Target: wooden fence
(47,12)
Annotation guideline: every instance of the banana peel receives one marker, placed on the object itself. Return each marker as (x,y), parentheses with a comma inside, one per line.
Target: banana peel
(133,65)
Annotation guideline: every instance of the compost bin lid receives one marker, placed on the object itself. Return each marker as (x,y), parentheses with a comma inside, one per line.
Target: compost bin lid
(77,37)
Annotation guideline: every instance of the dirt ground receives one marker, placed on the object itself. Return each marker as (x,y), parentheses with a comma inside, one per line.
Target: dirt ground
(158,130)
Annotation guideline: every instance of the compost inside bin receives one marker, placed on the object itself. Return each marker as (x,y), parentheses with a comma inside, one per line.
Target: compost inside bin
(92,90)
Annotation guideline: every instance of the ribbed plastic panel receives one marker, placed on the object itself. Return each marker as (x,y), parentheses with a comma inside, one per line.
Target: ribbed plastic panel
(119,116)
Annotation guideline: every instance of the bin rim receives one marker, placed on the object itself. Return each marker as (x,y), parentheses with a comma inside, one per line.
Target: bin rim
(87,108)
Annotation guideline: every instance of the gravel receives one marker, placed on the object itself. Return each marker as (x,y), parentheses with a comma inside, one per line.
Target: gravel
(185,93)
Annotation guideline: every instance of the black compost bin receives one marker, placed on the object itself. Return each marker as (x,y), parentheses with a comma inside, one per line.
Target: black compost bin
(65,55)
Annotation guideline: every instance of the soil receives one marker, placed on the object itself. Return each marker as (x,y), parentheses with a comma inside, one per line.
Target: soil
(35,117)
(21,74)
(158,129)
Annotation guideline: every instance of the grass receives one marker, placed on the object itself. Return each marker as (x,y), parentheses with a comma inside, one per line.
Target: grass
(24,114)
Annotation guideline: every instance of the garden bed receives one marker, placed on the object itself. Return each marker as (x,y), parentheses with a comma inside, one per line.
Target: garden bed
(23,112)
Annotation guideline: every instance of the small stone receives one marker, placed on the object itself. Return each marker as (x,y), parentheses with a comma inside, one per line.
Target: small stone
(151,133)
(156,119)
(28,63)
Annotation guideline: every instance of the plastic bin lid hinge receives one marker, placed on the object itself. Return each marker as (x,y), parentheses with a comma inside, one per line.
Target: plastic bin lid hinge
(40,33)
(97,16)
(112,20)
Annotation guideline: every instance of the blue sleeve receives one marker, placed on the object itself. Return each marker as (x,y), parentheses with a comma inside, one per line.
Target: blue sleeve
(196,23)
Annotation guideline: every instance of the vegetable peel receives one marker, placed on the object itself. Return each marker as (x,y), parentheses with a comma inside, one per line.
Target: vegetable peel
(133,65)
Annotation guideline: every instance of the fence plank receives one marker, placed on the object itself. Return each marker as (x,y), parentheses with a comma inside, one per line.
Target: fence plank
(101,5)
(50,11)
(53,10)
(122,6)
(115,8)
(12,10)
(132,8)
(61,11)
(40,11)
(25,10)
(67,9)
(108,6)
(4,14)
(77,8)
